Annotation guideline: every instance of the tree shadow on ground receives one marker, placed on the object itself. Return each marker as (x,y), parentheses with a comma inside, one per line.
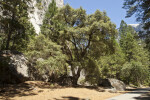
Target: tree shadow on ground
(8,91)
(145,96)
(99,89)
(136,89)
(96,88)
(145,93)
(71,98)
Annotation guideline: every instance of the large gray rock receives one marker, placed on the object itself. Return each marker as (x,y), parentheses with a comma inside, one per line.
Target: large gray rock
(117,84)
(13,67)
(113,83)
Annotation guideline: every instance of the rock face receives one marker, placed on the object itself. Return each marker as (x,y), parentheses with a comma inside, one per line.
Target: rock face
(13,67)
(36,14)
(116,84)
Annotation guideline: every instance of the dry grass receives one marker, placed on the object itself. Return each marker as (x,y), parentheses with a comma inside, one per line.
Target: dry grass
(36,90)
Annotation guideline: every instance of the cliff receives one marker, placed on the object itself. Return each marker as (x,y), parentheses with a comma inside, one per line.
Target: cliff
(39,7)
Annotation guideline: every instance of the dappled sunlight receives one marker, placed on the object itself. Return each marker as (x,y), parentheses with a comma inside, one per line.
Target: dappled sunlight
(37,90)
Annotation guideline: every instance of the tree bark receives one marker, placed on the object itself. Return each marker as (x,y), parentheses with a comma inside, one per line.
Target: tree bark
(8,40)
(75,76)
(75,80)
(10,32)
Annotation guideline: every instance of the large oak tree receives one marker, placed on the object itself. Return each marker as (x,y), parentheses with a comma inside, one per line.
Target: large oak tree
(82,36)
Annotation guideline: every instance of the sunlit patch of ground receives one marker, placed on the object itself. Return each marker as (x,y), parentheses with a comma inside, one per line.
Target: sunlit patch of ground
(36,90)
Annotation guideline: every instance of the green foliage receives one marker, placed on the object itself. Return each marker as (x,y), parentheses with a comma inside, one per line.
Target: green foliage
(135,72)
(86,33)
(141,9)
(70,37)
(147,41)
(82,36)
(110,65)
(106,66)
(90,36)
(15,24)
(39,4)
(92,71)
(46,55)
(49,24)
(137,61)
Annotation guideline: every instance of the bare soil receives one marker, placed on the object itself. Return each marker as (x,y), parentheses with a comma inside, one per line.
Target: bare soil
(37,90)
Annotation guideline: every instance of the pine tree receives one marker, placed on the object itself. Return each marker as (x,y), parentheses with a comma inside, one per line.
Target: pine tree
(135,70)
(49,26)
(111,65)
(140,8)
(15,24)
(106,66)
(142,12)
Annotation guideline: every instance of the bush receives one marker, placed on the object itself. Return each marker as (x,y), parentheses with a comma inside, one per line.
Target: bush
(46,56)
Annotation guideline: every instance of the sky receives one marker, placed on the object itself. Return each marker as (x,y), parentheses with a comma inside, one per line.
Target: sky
(113,8)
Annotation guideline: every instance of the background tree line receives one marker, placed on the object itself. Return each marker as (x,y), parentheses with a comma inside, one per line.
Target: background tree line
(70,37)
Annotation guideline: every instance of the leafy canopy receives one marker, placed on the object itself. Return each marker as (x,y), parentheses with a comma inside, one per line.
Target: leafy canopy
(46,55)
(82,36)
(15,25)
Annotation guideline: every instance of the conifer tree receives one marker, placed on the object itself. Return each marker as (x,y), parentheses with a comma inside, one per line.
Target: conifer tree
(15,23)
(142,12)
(140,8)
(107,66)
(111,65)
(135,70)
(49,24)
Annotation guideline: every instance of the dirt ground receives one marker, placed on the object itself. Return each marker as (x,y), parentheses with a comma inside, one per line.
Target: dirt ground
(36,90)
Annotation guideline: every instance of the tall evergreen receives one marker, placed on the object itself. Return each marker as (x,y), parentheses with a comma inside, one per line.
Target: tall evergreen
(142,12)
(106,66)
(140,8)
(111,65)
(135,70)
(15,24)
(49,24)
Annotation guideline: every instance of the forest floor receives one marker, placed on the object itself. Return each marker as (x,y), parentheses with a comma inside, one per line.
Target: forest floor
(37,90)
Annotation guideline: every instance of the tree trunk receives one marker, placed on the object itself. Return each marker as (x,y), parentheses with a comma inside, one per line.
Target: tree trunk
(75,75)
(75,80)
(10,32)
(8,40)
